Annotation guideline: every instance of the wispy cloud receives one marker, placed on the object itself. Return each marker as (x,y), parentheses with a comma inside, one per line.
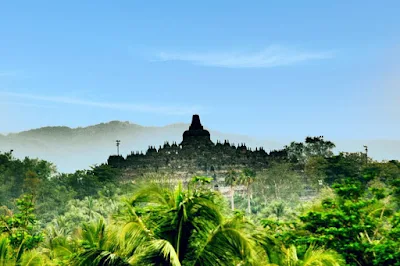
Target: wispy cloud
(27,104)
(169,110)
(7,74)
(272,56)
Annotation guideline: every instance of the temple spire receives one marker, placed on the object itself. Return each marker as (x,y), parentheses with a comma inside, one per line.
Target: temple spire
(196,133)
(196,124)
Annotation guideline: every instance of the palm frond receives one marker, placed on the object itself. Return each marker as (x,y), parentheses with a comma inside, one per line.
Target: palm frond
(321,257)
(96,257)
(290,256)
(33,258)
(156,252)
(4,250)
(62,248)
(224,246)
(132,236)
(93,234)
(152,194)
(271,248)
(312,257)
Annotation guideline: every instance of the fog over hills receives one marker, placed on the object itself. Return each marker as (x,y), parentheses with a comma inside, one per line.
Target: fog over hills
(79,148)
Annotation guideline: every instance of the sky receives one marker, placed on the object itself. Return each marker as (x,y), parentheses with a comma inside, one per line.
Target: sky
(281,70)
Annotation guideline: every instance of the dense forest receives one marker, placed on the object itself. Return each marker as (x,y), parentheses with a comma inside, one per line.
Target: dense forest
(310,207)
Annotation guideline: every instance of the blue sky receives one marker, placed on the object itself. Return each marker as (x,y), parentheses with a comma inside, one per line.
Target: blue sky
(272,70)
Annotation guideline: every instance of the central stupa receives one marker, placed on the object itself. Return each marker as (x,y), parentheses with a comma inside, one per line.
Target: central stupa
(196,135)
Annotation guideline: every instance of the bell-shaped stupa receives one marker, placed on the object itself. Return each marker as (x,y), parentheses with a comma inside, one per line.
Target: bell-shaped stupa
(196,135)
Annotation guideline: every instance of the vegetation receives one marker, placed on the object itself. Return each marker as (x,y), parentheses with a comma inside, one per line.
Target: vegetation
(310,207)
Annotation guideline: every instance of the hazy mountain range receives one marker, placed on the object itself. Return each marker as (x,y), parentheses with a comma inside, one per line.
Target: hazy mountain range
(79,148)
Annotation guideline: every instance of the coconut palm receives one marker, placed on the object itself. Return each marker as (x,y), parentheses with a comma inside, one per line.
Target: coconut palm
(231,179)
(247,178)
(181,213)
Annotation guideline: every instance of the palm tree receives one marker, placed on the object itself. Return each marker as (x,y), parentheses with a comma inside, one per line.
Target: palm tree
(247,178)
(138,242)
(230,180)
(181,212)
(189,221)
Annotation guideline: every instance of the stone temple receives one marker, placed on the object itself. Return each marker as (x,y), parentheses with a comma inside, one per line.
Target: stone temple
(195,155)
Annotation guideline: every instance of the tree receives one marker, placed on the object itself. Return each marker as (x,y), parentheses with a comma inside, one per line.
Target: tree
(52,200)
(19,227)
(247,178)
(22,176)
(179,210)
(352,223)
(299,153)
(19,237)
(231,179)
(343,166)
(314,172)
(105,173)
(296,152)
(317,146)
(279,182)
(84,182)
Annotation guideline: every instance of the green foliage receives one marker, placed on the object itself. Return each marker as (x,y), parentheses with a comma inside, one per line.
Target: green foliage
(279,183)
(91,218)
(105,173)
(22,258)
(355,224)
(19,227)
(299,153)
(21,176)
(345,165)
(170,227)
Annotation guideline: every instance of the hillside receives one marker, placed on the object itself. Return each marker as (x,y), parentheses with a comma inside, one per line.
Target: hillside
(78,148)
